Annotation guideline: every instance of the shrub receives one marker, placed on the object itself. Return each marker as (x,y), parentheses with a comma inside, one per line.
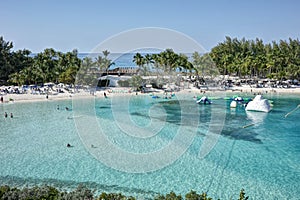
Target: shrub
(242,195)
(114,196)
(192,195)
(171,196)
(83,193)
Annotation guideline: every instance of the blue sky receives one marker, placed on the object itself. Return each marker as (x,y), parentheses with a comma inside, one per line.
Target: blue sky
(68,24)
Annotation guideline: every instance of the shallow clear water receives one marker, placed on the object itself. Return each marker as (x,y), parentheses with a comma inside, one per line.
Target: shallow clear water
(263,158)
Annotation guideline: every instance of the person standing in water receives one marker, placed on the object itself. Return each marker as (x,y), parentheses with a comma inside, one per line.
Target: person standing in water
(105,95)
(11,115)
(5,114)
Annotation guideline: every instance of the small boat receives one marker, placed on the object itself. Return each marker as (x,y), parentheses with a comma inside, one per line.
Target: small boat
(259,104)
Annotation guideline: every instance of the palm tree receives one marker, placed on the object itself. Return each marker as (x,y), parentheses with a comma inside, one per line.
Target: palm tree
(139,60)
(149,59)
(103,62)
(83,75)
(183,63)
(100,64)
(87,63)
(105,53)
(69,75)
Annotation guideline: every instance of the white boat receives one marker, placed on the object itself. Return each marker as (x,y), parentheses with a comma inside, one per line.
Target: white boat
(259,104)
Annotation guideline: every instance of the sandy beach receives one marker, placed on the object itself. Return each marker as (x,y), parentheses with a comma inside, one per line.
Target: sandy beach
(113,92)
(110,92)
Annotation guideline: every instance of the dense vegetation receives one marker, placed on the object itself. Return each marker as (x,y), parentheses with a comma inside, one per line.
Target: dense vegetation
(166,61)
(19,68)
(83,193)
(251,58)
(12,62)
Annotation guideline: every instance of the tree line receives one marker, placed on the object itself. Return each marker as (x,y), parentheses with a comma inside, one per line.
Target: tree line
(243,58)
(252,58)
(21,68)
(166,61)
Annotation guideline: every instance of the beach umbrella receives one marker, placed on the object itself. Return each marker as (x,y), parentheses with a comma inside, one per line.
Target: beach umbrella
(32,86)
(49,84)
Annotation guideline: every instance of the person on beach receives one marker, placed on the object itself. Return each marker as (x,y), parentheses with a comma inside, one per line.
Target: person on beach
(104,95)
(1,99)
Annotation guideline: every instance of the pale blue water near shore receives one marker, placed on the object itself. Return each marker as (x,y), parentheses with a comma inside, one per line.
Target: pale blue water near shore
(264,159)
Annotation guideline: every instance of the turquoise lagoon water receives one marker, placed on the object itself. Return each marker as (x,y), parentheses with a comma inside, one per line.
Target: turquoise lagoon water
(264,158)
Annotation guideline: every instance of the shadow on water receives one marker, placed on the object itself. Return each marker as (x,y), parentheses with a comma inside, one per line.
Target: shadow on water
(172,117)
(71,185)
(232,128)
(240,134)
(172,109)
(233,122)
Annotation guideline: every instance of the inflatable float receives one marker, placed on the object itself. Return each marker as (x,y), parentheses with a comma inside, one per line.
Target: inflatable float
(259,104)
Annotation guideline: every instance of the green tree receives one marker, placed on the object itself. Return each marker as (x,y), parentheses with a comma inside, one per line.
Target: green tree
(255,59)
(103,63)
(139,60)
(136,81)
(6,67)
(84,75)
(12,62)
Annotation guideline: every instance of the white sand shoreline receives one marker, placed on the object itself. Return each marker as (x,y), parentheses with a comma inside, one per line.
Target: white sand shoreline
(22,98)
(115,92)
